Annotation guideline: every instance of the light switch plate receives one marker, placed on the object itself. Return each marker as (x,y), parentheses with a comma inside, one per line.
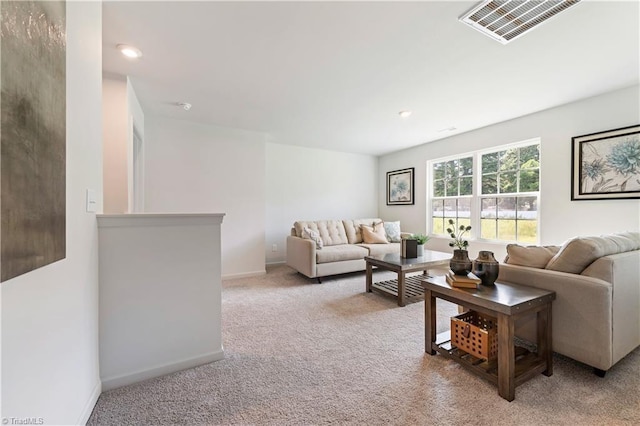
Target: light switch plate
(92,201)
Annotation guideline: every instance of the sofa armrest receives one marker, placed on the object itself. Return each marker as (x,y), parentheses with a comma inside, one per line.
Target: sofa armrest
(622,271)
(301,255)
(581,314)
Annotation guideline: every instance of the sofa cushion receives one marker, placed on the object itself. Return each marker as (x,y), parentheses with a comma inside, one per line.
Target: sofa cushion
(393,231)
(578,253)
(625,241)
(310,234)
(354,232)
(331,231)
(380,249)
(341,252)
(374,234)
(531,256)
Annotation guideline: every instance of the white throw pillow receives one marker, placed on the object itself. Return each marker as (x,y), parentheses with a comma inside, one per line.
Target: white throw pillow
(393,231)
(310,234)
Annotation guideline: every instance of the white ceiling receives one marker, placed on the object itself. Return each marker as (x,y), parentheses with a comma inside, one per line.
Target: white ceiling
(334,75)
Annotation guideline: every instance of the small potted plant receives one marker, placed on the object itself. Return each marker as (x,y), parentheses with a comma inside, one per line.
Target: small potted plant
(460,263)
(457,234)
(421,239)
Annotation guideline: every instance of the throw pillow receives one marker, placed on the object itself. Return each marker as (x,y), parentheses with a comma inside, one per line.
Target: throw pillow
(374,234)
(310,234)
(531,256)
(392,230)
(575,255)
(578,253)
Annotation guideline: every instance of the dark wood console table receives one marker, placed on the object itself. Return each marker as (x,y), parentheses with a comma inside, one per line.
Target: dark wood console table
(506,302)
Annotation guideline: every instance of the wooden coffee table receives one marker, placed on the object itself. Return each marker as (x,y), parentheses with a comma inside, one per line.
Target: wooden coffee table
(404,288)
(507,303)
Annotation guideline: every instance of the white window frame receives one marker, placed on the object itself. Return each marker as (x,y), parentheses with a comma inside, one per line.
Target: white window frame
(477,195)
(430,196)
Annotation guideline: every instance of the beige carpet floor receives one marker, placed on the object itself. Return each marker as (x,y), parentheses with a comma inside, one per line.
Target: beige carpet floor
(302,353)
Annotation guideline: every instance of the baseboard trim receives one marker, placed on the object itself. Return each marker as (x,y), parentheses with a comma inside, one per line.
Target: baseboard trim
(138,376)
(244,275)
(91,403)
(277,262)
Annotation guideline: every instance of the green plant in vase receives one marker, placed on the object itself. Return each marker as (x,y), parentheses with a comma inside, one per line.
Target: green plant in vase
(420,239)
(457,234)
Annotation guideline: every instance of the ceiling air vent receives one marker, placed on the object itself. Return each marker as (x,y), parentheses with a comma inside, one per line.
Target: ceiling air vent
(506,20)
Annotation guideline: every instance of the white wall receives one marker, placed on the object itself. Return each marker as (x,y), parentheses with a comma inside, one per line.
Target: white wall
(313,184)
(121,111)
(135,119)
(197,168)
(160,295)
(50,315)
(560,217)
(114,150)
(262,187)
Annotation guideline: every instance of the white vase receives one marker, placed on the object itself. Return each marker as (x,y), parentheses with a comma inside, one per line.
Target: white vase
(420,250)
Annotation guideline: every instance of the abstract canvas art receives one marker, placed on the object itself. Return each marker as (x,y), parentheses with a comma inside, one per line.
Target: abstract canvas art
(32,136)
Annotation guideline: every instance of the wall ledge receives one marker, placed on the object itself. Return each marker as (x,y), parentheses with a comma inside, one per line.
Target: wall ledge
(158,219)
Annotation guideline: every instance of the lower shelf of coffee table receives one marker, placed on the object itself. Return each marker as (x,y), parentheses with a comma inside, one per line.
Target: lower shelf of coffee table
(527,363)
(413,290)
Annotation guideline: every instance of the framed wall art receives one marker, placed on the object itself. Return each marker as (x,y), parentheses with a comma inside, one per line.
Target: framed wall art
(400,187)
(606,165)
(32,136)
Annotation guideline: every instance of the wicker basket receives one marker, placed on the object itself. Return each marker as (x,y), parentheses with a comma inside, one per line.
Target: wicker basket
(475,334)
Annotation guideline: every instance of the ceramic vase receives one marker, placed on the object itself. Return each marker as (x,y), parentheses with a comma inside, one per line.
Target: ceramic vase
(486,267)
(460,263)
(420,250)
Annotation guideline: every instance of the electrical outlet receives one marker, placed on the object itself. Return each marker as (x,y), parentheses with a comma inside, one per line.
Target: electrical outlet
(274,247)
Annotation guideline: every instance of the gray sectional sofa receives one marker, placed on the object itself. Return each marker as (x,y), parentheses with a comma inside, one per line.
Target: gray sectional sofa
(343,248)
(596,314)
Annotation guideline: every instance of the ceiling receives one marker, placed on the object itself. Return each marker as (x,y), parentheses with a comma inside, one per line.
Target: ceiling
(334,75)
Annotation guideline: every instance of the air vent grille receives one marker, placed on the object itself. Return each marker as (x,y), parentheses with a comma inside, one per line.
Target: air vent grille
(506,20)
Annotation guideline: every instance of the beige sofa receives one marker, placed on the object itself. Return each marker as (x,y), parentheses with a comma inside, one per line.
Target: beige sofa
(343,248)
(596,314)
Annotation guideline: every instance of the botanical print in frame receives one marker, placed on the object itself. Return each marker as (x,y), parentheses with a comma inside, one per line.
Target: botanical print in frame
(606,165)
(32,136)
(400,187)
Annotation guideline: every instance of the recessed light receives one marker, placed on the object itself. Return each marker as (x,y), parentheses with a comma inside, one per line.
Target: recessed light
(185,105)
(129,51)
(404,114)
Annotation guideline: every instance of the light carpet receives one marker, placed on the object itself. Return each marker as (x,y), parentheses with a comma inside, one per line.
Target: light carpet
(302,353)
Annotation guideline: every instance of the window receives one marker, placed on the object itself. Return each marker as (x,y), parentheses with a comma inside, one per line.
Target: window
(496,192)
(509,194)
(452,193)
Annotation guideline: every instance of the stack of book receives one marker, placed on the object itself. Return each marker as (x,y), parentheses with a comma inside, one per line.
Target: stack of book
(462,281)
